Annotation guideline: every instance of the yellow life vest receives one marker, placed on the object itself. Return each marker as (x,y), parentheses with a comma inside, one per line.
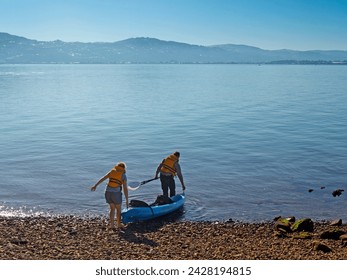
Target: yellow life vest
(116,177)
(168,165)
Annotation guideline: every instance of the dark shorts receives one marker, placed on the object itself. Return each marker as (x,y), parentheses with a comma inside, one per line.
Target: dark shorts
(168,184)
(113,197)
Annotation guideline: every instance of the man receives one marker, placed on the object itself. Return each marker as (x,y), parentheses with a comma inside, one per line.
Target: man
(117,180)
(168,168)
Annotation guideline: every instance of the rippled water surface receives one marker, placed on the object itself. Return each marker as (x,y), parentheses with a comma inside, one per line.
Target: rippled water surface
(253,139)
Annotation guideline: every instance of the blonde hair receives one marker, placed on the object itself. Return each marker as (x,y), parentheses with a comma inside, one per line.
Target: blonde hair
(122,164)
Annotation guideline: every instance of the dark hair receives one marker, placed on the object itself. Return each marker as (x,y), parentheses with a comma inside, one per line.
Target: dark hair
(177,154)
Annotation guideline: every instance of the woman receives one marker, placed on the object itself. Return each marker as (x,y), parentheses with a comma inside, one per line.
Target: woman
(117,180)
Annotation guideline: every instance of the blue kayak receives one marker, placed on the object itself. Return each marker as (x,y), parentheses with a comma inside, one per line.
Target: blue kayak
(136,214)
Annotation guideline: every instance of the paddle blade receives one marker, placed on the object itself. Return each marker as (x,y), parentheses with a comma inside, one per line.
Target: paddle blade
(142,183)
(133,188)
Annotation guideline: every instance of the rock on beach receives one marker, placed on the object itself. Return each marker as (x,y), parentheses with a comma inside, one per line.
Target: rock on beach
(75,238)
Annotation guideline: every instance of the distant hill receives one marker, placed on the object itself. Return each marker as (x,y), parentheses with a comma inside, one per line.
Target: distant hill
(20,50)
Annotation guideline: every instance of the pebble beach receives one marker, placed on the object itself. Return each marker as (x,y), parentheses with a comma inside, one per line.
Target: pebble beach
(88,238)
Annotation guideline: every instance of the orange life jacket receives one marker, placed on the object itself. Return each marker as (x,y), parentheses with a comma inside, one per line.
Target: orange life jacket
(168,165)
(116,177)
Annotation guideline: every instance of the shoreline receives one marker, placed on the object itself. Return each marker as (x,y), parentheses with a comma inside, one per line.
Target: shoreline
(87,238)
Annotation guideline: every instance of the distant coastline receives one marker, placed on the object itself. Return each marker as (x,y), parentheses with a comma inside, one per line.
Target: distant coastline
(19,50)
(308,62)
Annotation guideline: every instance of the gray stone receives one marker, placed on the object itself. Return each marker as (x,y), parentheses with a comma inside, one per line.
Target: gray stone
(322,247)
(332,234)
(337,222)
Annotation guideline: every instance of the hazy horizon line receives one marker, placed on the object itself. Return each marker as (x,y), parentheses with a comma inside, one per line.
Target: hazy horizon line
(180,42)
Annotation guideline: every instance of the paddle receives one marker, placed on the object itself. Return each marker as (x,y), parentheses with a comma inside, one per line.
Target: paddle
(142,183)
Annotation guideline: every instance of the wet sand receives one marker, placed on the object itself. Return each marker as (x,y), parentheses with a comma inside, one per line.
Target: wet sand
(75,238)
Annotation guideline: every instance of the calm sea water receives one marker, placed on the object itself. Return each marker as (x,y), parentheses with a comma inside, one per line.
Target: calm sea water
(253,139)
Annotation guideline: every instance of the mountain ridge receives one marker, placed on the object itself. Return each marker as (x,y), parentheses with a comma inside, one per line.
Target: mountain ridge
(19,50)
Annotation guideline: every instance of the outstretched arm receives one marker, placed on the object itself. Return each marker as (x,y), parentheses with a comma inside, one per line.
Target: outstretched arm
(125,186)
(180,176)
(100,181)
(158,170)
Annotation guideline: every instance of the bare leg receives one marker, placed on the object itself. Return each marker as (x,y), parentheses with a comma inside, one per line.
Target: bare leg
(112,212)
(119,218)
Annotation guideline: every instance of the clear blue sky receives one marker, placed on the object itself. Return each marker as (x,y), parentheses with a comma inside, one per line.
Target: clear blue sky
(268,24)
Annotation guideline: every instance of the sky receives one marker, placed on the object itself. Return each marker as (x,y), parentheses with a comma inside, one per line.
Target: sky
(267,24)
